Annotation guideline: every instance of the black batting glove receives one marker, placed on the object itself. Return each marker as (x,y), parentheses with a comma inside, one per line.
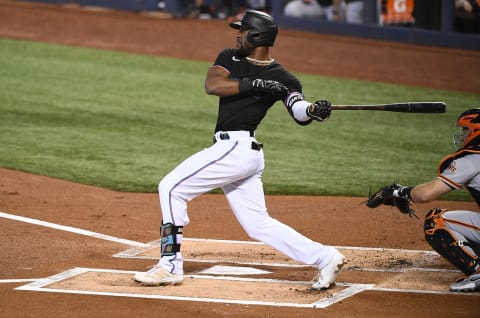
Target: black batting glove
(320,110)
(261,86)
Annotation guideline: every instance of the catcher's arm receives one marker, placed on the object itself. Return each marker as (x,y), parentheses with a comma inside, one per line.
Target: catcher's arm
(427,192)
(394,195)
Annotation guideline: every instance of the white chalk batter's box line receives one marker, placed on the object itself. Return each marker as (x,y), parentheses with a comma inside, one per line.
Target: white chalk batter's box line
(136,252)
(41,285)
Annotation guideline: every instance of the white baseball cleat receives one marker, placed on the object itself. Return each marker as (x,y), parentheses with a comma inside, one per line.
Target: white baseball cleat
(158,276)
(328,274)
(469,284)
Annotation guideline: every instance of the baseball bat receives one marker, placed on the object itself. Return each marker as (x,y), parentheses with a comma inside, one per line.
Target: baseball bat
(412,107)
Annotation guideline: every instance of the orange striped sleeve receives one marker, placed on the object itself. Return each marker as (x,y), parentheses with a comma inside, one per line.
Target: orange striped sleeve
(449,182)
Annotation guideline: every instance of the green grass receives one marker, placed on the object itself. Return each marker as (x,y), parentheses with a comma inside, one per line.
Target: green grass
(122,121)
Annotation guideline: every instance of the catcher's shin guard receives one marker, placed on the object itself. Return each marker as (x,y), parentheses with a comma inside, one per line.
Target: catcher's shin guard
(168,235)
(444,242)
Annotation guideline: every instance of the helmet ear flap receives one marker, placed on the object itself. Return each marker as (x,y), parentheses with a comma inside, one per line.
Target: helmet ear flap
(254,37)
(261,38)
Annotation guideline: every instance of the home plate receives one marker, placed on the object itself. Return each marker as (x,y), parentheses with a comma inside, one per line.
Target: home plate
(233,270)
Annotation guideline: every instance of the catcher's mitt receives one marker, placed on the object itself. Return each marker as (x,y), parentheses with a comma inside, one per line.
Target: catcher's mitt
(394,195)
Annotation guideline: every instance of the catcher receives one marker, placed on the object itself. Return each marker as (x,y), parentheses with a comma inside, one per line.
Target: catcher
(453,234)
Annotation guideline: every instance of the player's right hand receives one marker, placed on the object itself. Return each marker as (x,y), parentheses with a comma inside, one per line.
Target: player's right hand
(320,110)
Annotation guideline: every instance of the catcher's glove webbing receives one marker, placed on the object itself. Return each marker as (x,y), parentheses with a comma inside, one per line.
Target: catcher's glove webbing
(394,195)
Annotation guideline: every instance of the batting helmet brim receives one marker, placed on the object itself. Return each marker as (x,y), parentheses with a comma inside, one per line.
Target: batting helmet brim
(236,25)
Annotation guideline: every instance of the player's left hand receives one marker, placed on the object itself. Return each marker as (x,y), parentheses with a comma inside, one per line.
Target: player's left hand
(320,110)
(261,86)
(277,89)
(394,195)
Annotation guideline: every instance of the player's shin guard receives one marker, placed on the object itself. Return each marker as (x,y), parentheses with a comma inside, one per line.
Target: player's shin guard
(168,234)
(444,241)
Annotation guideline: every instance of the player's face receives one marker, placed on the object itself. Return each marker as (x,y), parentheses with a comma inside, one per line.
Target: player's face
(244,47)
(460,136)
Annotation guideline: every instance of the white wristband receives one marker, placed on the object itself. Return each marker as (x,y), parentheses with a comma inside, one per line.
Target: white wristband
(299,110)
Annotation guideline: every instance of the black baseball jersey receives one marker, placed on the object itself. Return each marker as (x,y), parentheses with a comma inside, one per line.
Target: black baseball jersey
(246,111)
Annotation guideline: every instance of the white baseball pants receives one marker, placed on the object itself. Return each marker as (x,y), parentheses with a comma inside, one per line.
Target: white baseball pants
(236,168)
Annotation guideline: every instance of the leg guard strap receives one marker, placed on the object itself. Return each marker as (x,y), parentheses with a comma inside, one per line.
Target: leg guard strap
(168,235)
(433,221)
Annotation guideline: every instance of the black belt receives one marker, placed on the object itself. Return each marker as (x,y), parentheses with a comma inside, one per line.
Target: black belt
(255,144)
(225,136)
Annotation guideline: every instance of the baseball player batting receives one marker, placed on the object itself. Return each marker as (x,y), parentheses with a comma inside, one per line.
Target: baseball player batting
(248,81)
(453,234)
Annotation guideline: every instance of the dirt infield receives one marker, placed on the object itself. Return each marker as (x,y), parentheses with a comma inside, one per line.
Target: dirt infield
(392,272)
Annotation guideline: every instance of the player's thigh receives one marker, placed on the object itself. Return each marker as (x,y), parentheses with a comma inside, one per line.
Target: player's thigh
(466,223)
(247,200)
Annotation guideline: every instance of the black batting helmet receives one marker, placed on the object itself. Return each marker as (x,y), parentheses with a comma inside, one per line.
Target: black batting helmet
(263,29)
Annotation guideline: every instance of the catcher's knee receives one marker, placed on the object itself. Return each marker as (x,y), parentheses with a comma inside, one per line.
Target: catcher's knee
(444,242)
(434,221)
